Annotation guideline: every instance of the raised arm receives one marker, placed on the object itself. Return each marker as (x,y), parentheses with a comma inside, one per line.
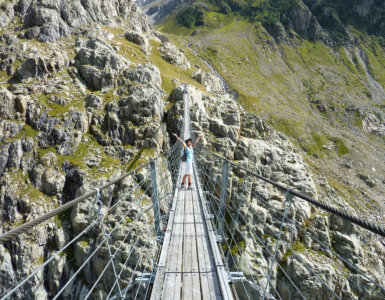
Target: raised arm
(197,140)
(177,137)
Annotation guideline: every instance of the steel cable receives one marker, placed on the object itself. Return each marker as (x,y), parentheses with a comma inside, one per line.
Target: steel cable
(354,219)
(283,271)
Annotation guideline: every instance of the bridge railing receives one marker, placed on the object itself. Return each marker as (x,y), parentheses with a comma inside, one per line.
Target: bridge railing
(266,239)
(115,248)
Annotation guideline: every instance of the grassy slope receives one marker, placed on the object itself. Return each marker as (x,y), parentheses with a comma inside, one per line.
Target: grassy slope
(285,84)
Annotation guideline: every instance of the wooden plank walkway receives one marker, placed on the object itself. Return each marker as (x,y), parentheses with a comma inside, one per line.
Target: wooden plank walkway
(189,267)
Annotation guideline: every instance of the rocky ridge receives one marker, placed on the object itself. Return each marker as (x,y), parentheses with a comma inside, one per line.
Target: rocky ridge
(74,114)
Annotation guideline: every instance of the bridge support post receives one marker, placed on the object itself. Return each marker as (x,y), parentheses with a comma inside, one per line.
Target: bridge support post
(273,258)
(155,198)
(222,209)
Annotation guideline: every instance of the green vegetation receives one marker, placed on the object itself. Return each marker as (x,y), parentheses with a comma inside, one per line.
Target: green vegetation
(57,110)
(190,16)
(84,244)
(298,247)
(170,72)
(376,65)
(311,92)
(78,158)
(341,147)
(346,60)
(235,250)
(140,158)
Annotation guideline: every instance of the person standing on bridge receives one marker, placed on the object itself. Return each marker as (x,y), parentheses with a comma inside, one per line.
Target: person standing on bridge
(188,150)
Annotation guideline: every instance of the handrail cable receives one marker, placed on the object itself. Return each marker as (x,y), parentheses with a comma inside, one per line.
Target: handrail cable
(271,254)
(354,219)
(5,237)
(67,245)
(315,239)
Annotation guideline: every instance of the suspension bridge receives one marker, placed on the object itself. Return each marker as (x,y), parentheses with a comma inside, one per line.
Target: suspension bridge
(205,245)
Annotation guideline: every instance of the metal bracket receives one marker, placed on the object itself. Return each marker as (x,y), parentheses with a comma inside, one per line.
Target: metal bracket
(160,239)
(211,217)
(145,277)
(98,202)
(233,277)
(219,238)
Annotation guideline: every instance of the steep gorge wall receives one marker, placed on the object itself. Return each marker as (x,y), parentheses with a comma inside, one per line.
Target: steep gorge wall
(82,98)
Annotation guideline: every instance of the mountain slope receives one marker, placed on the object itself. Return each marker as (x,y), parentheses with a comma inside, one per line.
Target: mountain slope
(307,72)
(88,91)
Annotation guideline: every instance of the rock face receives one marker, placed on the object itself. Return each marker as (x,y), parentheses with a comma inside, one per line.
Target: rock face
(80,106)
(372,124)
(138,39)
(40,67)
(245,139)
(49,21)
(210,81)
(173,55)
(98,64)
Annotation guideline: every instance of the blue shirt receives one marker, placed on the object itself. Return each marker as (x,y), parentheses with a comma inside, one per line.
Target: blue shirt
(190,154)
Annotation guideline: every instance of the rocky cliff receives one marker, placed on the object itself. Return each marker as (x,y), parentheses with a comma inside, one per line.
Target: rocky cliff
(88,91)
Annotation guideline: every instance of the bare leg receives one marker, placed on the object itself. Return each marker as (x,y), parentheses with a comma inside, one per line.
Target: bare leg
(189,180)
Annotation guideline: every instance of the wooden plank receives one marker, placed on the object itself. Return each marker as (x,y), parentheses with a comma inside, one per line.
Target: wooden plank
(189,242)
(187,286)
(187,253)
(204,260)
(171,289)
(176,252)
(216,293)
(159,282)
(196,286)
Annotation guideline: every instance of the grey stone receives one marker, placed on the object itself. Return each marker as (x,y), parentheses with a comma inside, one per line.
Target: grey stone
(7,104)
(139,39)
(40,67)
(146,74)
(93,101)
(174,56)
(7,13)
(98,64)
(210,81)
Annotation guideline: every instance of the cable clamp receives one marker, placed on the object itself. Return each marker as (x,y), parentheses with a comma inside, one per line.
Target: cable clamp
(233,277)
(219,238)
(160,239)
(145,277)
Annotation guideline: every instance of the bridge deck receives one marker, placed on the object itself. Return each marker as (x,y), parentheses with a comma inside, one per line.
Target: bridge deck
(187,267)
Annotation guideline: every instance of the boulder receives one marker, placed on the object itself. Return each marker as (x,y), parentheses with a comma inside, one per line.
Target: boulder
(146,74)
(48,21)
(98,64)
(9,129)
(143,105)
(7,13)
(348,246)
(93,101)
(7,104)
(40,67)
(52,182)
(174,56)
(373,124)
(210,81)
(139,39)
